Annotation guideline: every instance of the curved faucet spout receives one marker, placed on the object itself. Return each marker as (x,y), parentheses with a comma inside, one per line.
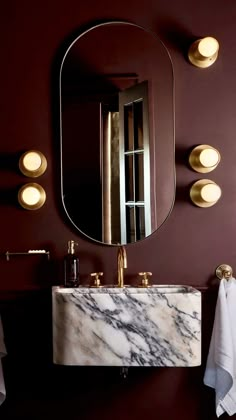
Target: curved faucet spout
(121,264)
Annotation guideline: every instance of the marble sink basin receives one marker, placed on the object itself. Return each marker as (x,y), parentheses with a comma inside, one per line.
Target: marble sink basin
(155,326)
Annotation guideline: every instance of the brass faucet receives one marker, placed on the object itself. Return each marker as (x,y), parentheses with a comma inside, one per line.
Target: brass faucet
(121,264)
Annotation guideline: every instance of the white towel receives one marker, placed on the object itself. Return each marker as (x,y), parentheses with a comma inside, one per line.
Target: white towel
(220,370)
(2,353)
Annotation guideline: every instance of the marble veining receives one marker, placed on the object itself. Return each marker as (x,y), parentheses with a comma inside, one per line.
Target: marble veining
(155,326)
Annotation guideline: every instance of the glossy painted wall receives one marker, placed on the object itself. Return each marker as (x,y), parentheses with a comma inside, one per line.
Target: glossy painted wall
(185,250)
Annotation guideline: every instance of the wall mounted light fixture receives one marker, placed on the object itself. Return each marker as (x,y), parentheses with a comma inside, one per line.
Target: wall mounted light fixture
(33,163)
(31,196)
(203,52)
(204,158)
(205,193)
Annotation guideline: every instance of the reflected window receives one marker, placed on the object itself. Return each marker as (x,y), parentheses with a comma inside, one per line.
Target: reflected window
(134,163)
(126,168)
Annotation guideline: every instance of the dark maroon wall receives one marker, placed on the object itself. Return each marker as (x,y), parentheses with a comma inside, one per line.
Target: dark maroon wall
(186,250)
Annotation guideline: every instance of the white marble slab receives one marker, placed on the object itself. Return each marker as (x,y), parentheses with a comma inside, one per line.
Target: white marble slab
(155,326)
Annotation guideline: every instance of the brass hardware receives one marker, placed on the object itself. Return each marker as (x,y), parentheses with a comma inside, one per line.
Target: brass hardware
(96,279)
(203,52)
(204,158)
(224,271)
(30,252)
(205,193)
(145,279)
(31,196)
(121,264)
(33,163)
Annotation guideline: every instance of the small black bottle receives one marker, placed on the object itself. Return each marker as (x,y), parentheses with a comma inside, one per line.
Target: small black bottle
(71,266)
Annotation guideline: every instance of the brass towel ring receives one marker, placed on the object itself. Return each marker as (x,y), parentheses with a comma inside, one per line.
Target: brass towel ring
(224,271)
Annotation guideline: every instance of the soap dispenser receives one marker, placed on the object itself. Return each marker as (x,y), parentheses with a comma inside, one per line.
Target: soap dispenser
(71,266)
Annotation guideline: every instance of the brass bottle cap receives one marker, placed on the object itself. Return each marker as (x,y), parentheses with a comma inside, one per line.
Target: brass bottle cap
(204,158)
(71,246)
(205,193)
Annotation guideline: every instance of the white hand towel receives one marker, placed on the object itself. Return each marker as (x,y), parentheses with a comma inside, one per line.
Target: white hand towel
(2,353)
(220,370)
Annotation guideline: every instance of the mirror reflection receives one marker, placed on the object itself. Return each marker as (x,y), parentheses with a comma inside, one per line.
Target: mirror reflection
(117,133)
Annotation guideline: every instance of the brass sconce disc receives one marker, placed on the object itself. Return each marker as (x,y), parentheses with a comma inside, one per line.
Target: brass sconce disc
(33,163)
(204,158)
(205,193)
(31,196)
(203,52)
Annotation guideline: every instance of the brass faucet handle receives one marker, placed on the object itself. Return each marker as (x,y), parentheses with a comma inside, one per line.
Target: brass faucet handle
(96,279)
(145,278)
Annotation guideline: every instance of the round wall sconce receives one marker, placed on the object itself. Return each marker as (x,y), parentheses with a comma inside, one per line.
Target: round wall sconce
(204,158)
(33,163)
(31,196)
(205,193)
(203,52)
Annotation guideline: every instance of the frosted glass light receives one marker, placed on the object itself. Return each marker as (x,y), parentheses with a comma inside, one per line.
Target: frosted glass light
(211,193)
(205,193)
(31,196)
(32,161)
(208,46)
(203,52)
(209,157)
(204,158)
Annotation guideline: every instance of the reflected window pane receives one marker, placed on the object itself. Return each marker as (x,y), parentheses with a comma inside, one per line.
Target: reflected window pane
(129,127)
(130,224)
(139,177)
(129,178)
(138,124)
(140,223)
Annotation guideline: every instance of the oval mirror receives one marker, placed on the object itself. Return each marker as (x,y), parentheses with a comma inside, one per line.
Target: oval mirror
(117,133)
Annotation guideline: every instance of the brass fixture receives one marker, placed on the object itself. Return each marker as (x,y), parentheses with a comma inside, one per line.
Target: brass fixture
(224,271)
(203,52)
(121,264)
(204,158)
(96,279)
(33,163)
(30,252)
(145,279)
(31,196)
(205,193)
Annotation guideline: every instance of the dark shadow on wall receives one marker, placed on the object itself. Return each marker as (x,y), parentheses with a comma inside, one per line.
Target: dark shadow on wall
(10,162)
(8,196)
(176,35)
